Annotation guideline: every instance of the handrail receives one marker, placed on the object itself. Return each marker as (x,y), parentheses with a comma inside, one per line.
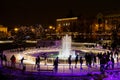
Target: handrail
(62,68)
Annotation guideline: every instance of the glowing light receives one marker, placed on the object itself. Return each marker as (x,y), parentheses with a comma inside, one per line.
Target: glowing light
(33,30)
(3,29)
(15,29)
(29,41)
(6,41)
(96,25)
(50,27)
(63,19)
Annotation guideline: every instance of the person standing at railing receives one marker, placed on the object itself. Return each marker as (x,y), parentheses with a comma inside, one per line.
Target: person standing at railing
(1,57)
(5,59)
(38,62)
(112,59)
(69,61)
(76,60)
(86,58)
(56,61)
(13,61)
(81,62)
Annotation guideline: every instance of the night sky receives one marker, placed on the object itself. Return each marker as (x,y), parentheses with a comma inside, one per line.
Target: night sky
(23,12)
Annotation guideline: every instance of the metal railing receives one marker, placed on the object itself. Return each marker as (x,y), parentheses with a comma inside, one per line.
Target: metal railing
(62,68)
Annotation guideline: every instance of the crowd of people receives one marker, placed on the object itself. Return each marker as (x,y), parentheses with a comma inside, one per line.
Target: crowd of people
(106,60)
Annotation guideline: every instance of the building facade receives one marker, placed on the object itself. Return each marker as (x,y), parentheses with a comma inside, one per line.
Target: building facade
(99,27)
(66,24)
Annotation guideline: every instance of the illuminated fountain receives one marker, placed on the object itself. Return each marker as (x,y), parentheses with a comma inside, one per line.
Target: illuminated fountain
(65,51)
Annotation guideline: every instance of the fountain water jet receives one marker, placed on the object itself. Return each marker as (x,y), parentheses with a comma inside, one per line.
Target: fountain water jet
(66,47)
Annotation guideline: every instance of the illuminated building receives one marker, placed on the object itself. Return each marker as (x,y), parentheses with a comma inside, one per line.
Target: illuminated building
(103,25)
(3,29)
(98,28)
(66,24)
(113,20)
(107,23)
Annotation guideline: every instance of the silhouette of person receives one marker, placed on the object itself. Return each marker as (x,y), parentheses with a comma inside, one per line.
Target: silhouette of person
(5,59)
(37,63)
(38,60)
(56,64)
(76,60)
(81,62)
(69,61)
(13,61)
(1,57)
(21,61)
(112,59)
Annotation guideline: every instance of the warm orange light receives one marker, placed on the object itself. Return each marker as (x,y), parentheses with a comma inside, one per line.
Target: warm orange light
(63,19)
(53,28)
(15,29)
(96,25)
(33,30)
(50,27)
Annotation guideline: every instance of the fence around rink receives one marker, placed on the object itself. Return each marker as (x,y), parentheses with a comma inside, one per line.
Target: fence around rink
(62,68)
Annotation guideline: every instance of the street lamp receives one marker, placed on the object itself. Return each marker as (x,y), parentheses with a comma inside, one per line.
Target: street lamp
(16,29)
(50,27)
